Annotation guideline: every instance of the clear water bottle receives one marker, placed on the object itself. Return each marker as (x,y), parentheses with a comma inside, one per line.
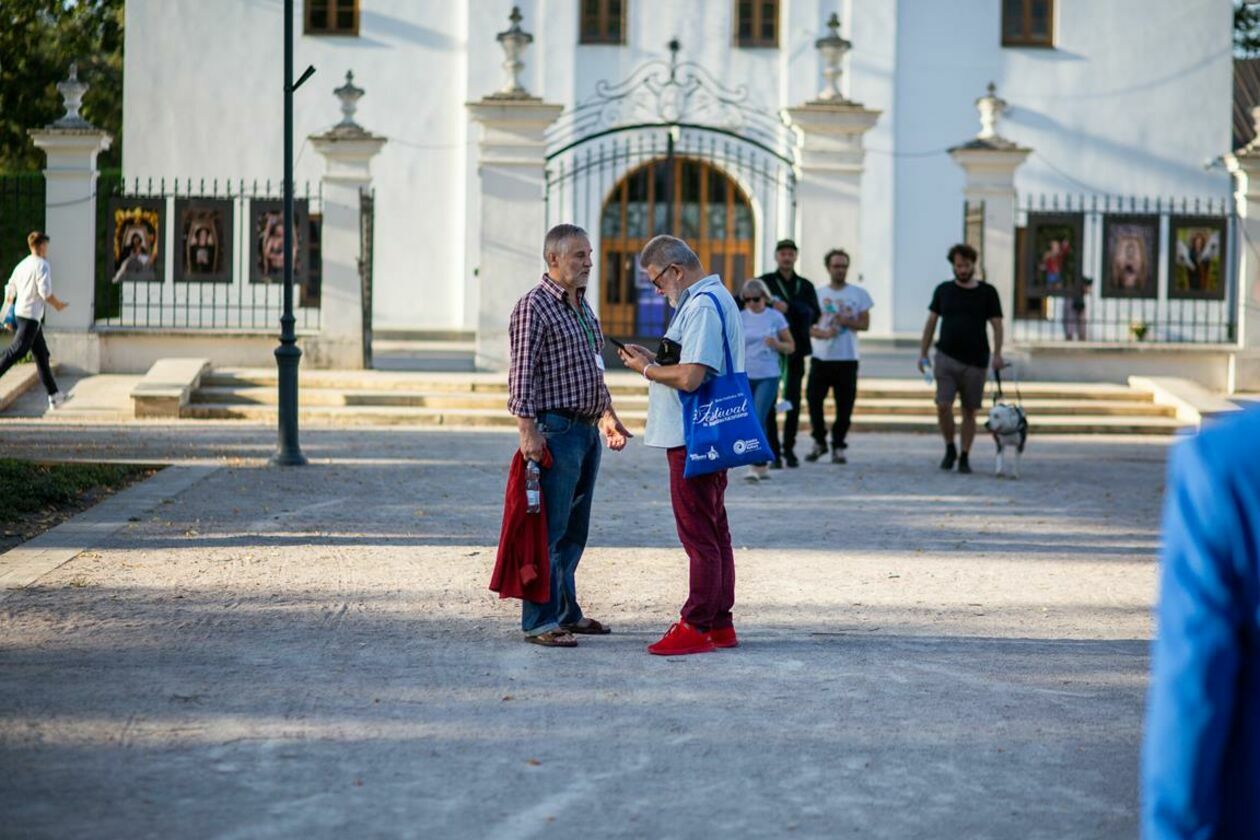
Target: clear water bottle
(533,487)
(927,370)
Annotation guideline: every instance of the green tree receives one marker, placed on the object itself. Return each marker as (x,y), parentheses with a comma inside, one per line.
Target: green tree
(1246,29)
(39,39)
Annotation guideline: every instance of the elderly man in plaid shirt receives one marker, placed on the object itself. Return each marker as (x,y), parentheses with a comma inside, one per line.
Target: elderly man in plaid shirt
(556,391)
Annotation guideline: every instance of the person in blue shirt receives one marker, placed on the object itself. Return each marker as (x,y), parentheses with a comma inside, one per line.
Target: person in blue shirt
(1201,754)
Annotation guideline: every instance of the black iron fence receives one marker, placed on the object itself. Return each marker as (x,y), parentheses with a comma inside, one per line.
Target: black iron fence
(204,255)
(1126,270)
(22,199)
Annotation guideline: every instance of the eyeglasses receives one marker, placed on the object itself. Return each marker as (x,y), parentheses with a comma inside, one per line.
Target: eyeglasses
(753,298)
(656,280)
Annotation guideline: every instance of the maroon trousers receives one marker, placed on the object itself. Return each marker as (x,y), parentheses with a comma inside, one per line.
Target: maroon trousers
(700,514)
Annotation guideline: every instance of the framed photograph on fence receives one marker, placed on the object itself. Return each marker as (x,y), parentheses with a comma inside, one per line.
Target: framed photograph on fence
(1130,257)
(1054,255)
(266,249)
(1196,257)
(204,229)
(136,236)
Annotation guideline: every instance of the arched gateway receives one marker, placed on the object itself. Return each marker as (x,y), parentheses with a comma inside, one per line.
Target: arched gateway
(687,197)
(670,150)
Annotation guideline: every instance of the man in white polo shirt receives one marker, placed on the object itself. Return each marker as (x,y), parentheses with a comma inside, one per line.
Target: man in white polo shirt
(29,288)
(846,311)
(702,305)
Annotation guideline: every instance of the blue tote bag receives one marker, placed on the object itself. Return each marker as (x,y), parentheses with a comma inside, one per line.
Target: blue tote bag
(719,424)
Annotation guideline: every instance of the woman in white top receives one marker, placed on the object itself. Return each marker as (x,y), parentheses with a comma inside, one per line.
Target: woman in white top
(766,339)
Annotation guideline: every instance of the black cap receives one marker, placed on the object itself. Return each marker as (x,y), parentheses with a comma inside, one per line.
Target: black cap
(37,237)
(786,243)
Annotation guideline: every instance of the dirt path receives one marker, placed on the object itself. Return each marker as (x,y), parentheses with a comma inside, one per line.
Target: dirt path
(314,652)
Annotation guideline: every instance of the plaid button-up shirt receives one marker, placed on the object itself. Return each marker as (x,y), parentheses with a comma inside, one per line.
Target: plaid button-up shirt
(554,349)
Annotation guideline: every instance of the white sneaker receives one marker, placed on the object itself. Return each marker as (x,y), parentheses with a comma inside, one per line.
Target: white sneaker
(56,401)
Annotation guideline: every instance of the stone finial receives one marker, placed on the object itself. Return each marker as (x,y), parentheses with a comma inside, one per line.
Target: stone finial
(349,95)
(990,107)
(72,91)
(514,41)
(833,48)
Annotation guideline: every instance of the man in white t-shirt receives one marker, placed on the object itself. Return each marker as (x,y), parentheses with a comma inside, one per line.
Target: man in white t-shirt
(28,289)
(846,311)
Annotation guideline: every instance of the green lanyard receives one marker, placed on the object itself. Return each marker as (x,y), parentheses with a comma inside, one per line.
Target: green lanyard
(796,286)
(590,336)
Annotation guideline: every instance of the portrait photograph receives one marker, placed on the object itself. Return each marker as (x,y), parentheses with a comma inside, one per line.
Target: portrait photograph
(1196,258)
(205,236)
(1130,257)
(1055,253)
(266,230)
(136,239)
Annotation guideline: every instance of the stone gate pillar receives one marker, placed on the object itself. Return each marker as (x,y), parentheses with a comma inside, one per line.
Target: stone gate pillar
(1244,164)
(348,150)
(830,158)
(512,170)
(989,162)
(71,145)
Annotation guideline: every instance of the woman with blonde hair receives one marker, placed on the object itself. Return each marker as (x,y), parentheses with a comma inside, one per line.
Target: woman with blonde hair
(766,338)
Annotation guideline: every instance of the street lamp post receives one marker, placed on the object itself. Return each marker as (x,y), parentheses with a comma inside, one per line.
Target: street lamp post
(288,354)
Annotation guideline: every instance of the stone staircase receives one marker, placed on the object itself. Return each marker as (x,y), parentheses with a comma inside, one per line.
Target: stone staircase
(437,398)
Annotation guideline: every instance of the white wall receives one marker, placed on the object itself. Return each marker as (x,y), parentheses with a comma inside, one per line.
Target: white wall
(203,98)
(1133,99)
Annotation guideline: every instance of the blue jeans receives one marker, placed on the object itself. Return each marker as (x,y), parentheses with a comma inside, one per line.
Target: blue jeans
(764,392)
(567,487)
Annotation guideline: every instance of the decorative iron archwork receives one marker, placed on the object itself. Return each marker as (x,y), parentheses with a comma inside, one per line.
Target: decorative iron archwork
(669,93)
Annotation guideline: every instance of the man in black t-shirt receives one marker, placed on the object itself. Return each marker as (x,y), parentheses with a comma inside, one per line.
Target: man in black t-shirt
(797,299)
(963,306)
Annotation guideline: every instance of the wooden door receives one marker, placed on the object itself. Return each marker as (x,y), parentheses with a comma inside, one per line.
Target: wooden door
(709,211)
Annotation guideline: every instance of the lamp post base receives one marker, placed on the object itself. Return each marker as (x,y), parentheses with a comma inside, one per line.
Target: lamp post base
(288,356)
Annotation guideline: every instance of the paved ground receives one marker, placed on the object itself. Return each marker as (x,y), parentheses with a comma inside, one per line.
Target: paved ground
(313,652)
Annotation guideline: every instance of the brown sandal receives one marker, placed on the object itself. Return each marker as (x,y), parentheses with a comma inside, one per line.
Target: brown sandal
(553,638)
(590,628)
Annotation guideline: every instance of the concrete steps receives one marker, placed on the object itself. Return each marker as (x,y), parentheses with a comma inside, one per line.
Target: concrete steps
(448,398)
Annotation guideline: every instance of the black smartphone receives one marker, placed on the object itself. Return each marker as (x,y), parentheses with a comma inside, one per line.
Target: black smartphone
(620,344)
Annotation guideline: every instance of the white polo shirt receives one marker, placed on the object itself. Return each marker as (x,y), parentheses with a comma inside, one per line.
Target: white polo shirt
(29,286)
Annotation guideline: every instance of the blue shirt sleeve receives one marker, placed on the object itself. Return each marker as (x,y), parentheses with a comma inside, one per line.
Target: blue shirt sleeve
(702,336)
(1196,654)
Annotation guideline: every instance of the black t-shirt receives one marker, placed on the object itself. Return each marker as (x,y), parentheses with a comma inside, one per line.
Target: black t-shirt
(803,309)
(963,314)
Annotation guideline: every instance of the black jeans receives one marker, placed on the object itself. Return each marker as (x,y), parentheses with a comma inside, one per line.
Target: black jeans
(791,393)
(840,377)
(29,338)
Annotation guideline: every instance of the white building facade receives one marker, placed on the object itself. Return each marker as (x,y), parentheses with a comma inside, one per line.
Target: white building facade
(1115,98)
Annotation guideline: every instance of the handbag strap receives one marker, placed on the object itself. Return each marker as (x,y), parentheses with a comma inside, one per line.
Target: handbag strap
(726,344)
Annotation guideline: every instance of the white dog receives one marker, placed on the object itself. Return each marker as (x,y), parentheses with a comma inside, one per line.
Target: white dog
(1009,428)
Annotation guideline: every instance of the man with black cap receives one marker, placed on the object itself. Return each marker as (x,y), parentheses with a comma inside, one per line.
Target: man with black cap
(797,299)
(28,289)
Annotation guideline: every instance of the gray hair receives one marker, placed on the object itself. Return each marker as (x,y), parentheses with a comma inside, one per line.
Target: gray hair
(757,285)
(558,235)
(666,250)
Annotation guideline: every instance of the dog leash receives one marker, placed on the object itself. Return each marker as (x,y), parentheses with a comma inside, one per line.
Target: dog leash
(997,378)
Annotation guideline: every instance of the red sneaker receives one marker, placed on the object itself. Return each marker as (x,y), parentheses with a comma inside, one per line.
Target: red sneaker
(681,638)
(724,637)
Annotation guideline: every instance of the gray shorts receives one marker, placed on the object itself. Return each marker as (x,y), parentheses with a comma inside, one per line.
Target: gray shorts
(954,377)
